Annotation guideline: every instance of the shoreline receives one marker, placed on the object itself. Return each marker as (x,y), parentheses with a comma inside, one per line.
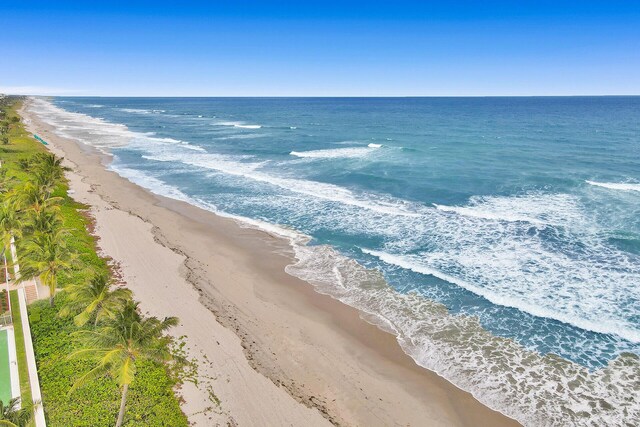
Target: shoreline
(276,351)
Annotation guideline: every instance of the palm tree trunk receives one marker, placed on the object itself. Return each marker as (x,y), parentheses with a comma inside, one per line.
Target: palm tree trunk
(52,289)
(6,278)
(123,402)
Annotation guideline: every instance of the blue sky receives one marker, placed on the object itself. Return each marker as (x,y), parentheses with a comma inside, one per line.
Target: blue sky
(328,48)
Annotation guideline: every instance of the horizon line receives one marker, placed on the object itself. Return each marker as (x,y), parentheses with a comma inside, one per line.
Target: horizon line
(325,96)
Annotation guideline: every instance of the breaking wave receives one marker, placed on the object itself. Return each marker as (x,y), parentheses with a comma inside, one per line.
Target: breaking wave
(334,153)
(240,125)
(625,186)
(97,132)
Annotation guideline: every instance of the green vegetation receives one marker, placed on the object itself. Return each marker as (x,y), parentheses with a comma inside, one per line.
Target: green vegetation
(133,380)
(95,300)
(11,416)
(150,402)
(4,300)
(45,256)
(21,352)
(121,345)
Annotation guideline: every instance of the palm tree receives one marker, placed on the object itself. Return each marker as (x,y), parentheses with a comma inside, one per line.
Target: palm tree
(5,181)
(45,256)
(119,344)
(10,227)
(25,164)
(95,299)
(11,416)
(48,171)
(43,220)
(10,223)
(33,197)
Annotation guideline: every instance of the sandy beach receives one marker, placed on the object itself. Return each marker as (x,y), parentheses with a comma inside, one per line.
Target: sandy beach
(269,349)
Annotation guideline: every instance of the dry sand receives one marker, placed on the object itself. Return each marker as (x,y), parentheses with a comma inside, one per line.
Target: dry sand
(271,350)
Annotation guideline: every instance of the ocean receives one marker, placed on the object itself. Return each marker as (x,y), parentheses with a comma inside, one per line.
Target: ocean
(497,238)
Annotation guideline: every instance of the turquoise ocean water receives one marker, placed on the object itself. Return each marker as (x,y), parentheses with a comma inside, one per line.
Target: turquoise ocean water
(498,238)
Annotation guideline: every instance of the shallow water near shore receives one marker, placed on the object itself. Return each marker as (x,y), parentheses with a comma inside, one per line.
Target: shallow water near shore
(517,215)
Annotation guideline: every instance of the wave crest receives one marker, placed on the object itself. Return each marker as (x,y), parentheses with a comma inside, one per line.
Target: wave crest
(334,153)
(625,186)
(240,125)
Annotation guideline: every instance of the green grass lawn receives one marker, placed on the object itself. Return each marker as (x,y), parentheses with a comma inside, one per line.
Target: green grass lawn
(21,146)
(5,376)
(23,369)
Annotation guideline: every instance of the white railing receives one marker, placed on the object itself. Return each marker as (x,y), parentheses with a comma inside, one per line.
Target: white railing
(31,362)
(5,320)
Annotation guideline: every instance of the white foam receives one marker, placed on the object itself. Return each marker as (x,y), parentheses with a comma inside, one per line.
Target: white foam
(536,208)
(248,126)
(372,145)
(243,136)
(97,132)
(334,153)
(478,213)
(293,236)
(151,183)
(564,268)
(240,125)
(602,326)
(540,253)
(314,189)
(141,111)
(625,186)
(537,390)
(161,188)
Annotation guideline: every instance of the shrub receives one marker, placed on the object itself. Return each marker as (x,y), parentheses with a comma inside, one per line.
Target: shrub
(151,400)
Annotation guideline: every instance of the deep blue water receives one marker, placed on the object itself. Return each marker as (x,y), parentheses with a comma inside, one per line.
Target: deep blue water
(523,212)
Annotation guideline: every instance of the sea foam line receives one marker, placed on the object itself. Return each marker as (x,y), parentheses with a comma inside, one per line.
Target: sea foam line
(141,111)
(314,189)
(625,186)
(333,153)
(497,371)
(240,125)
(98,132)
(486,214)
(161,188)
(601,327)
